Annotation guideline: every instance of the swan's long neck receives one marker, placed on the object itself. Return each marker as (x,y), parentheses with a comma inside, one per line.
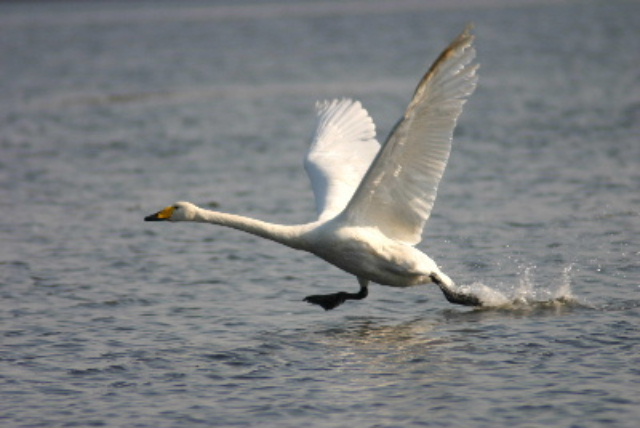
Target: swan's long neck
(292,236)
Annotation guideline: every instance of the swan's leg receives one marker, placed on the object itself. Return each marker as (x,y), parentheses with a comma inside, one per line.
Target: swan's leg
(331,301)
(455,296)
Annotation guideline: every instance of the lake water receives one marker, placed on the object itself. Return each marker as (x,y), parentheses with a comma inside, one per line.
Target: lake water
(111,111)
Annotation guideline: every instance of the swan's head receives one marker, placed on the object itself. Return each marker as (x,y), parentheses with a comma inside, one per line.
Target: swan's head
(180,211)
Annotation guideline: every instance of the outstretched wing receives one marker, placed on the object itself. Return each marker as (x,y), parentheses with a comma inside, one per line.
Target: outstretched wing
(342,149)
(399,190)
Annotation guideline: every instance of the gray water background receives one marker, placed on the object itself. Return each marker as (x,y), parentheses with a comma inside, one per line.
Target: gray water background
(110,111)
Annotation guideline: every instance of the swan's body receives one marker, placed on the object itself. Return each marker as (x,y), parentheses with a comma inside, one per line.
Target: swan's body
(373,201)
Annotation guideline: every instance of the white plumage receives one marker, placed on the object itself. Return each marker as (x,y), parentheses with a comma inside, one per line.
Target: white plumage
(342,149)
(373,201)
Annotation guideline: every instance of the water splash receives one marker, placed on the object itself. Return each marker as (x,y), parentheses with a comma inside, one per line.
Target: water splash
(526,292)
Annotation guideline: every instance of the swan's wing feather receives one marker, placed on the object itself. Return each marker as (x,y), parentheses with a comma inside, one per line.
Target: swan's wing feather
(399,190)
(342,149)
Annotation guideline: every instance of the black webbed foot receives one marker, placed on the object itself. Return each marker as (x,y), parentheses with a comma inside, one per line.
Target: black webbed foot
(327,301)
(331,301)
(458,298)
(455,296)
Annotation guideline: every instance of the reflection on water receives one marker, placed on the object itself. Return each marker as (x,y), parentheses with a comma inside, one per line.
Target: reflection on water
(373,333)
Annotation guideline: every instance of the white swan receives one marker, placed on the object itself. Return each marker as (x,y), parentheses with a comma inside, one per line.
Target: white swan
(373,202)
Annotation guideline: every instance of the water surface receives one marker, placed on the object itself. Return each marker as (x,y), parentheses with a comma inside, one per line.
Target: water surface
(111,111)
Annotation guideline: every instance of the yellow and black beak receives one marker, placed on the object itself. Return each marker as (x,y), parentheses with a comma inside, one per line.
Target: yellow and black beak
(163,215)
